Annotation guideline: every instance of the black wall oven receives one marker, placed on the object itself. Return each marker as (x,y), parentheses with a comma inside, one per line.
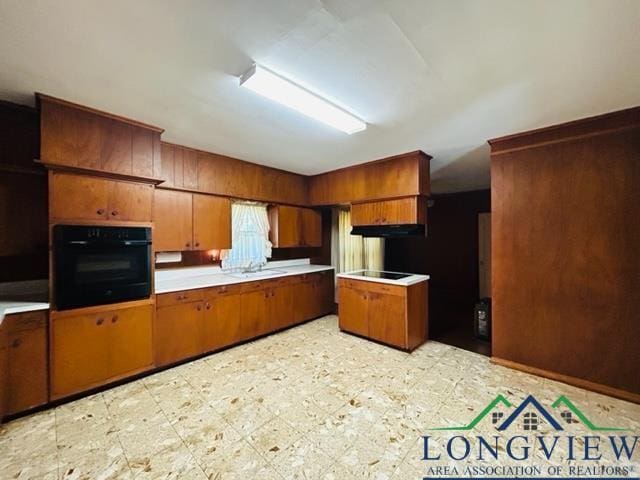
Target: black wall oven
(99,265)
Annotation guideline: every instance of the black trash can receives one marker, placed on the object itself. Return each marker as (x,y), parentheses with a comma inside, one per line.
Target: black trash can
(482,319)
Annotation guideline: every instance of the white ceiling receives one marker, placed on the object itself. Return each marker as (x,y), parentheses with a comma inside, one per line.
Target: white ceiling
(442,76)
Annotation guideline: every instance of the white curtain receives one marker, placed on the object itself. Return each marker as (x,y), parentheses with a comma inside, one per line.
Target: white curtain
(353,252)
(250,245)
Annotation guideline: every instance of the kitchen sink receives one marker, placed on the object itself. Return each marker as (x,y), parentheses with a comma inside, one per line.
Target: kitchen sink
(258,274)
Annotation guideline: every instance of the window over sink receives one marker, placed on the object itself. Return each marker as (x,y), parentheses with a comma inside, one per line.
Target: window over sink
(250,245)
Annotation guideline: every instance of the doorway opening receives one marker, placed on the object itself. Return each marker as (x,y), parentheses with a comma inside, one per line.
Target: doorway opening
(456,253)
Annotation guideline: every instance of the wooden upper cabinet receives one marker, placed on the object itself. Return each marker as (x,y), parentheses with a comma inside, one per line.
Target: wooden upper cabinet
(211,222)
(186,221)
(393,177)
(294,227)
(409,210)
(79,197)
(173,219)
(75,136)
(130,201)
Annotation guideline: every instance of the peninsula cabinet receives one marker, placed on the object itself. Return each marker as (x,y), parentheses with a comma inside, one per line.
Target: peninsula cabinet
(81,197)
(295,227)
(26,361)
(392,314)
(187,221)
(94,346)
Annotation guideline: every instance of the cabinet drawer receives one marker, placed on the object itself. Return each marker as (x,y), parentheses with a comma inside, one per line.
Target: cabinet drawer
(214,292)
(18,322)
(177,298)
(374,287)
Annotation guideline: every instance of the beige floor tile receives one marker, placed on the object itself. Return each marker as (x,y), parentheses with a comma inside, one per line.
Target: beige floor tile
(175,462)
(106,464)
(273,437)
(301,461)
(239,461)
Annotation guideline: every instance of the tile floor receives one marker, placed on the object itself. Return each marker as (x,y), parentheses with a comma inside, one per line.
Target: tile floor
(307,403)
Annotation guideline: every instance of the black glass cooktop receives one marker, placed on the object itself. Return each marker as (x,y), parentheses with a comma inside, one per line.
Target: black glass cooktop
(385,275)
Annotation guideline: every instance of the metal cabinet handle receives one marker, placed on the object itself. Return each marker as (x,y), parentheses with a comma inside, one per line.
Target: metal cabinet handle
(100,321)
(188,244)
(16,343)
(114,213)
(199,307)
(197,244)
(114,319)
(100,211)
(208,306)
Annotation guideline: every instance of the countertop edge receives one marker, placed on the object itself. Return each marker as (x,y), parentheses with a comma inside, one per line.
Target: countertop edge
(302,269)
(405,282)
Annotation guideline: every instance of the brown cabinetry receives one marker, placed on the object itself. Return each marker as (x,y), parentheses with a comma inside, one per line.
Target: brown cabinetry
(186,221)
(391,314)
(26,361)
(78,197)
(193,322)
(178,332)
(295,227)
(409,210)
(97,345)
(84,138)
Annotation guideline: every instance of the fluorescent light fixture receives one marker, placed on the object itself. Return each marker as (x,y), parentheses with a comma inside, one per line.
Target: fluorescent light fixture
(279,89)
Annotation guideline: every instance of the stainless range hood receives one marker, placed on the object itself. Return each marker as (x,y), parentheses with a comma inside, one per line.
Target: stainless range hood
(403,230)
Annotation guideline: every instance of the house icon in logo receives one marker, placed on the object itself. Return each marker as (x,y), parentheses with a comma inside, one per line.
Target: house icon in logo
(532,413)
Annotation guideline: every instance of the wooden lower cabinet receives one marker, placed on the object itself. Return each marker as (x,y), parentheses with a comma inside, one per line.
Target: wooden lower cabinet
(254,318)
(221,321)
(178,332)
(193,322)
(96,345)
(391,314)
(26,361)
(386,314)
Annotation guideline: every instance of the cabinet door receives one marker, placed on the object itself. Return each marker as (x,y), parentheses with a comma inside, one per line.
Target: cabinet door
(167,165)
(116,146)
(211,222)
(178,332)
(27,369)
(352,310)
(131,334)
(323,294)
(222,322)
(280,307)
(79,353)
(387,318)
(254,320)
(172,216)
(304,299)
(311,224)
(189,168)
(285,226)
(130,201)
(78,197)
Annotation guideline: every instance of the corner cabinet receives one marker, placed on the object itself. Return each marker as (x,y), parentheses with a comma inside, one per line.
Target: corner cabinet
(80,197)
(188,221)
(295,227)
(94,346)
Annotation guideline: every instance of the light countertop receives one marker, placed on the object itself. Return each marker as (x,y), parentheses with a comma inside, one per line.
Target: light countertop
(403,282)
(20,297)
(174,280)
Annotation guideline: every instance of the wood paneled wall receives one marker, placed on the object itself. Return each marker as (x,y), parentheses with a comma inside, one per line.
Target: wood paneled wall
(23,196)
(399,176)
(565,252)
(449,254)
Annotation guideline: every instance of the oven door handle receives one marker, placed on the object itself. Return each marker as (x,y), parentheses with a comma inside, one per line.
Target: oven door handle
(125,243)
